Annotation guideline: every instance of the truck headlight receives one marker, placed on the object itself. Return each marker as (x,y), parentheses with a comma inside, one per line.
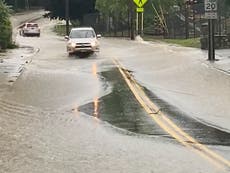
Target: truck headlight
(93,44)
(71,44)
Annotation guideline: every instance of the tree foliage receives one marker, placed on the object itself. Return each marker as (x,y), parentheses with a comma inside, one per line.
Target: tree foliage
(113,7)
(225,7)
(78,8)
(23,4)
(5,26)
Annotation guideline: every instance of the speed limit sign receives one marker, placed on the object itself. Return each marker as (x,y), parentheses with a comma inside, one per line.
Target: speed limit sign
(210,9)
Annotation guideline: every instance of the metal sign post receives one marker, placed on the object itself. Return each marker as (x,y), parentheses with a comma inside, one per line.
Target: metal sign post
(140,20)
(137,24)
(142,23)
(211,15)
(211,41)
(67,16)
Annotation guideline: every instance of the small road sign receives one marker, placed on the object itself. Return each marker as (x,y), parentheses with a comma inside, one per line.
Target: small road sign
(210,9)
(140,3)
(140,10)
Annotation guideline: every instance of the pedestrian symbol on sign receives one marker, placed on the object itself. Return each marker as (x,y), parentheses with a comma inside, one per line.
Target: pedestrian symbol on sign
(140,3)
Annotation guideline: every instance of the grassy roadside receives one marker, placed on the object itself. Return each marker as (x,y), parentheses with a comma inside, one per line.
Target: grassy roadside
(60,29)
(192,42)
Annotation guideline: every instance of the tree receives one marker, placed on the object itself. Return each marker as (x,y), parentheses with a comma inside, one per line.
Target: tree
(118,13)
(227,2)
(5,26)
(226,7)
(78,8)
(23,4)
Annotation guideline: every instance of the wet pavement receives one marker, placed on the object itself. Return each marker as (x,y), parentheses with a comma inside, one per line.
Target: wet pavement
(11,65)
(121,109)
(223,61)
(71,114)
(181,76)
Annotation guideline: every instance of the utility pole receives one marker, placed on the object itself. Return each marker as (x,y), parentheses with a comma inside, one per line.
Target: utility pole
(132,33)
(15,4)
(194,20)
(67,16)
(186,20)
(27,4)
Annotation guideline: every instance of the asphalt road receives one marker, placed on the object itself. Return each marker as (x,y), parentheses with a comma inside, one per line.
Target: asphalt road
(71,114)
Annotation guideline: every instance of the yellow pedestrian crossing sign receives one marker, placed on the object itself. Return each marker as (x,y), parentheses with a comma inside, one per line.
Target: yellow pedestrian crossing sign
(140,3)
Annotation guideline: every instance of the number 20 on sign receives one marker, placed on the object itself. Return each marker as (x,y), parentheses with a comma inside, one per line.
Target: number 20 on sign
(211,9)
(210,5)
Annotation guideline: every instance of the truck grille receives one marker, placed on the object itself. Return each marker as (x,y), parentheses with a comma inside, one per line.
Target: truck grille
(83,45)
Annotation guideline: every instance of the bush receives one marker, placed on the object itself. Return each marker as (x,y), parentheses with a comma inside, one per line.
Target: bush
(5,27)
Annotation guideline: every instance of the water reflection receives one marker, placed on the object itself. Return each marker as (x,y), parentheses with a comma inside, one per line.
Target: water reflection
(95,101)
(121,109)
(94,70)
(96,110)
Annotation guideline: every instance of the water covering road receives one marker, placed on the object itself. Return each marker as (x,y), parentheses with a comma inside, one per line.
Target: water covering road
(67,114)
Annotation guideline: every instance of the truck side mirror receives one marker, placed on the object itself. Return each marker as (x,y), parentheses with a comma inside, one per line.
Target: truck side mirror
(98,35)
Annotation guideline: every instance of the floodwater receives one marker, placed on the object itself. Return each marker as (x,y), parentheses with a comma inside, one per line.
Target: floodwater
(13,62)
(11,66)
(121,109)
(67,115)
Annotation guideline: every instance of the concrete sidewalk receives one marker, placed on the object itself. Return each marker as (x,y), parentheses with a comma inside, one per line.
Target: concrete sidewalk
(223,60)
(13,61)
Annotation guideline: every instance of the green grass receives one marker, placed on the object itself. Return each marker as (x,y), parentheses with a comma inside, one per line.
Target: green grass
(60,30)
(10,46)
(13,46)
(191,42)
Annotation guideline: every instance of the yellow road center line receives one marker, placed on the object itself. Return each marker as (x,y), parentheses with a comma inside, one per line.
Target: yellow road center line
(166,124)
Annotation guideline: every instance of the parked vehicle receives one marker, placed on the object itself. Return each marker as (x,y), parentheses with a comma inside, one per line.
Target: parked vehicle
(82,40)
(30,29)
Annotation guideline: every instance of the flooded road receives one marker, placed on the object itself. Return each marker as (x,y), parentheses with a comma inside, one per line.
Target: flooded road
(11,66)
(72,115)
(120,108)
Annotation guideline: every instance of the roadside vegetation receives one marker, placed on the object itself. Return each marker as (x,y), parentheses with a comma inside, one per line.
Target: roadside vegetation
(60,29)
(191,42)
(5,27)
(176,21)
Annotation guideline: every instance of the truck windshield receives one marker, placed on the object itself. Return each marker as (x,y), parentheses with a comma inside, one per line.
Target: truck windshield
(82,34)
